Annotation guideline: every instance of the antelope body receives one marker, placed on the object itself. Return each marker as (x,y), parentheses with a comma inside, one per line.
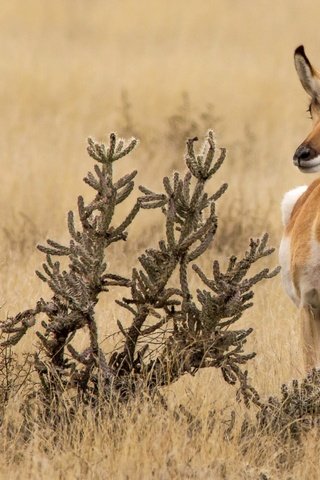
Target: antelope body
(300,246)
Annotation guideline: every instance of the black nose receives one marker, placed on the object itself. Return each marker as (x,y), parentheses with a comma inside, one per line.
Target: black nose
(304,153)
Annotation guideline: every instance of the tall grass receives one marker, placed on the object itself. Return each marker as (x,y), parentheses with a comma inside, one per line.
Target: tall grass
(64,67)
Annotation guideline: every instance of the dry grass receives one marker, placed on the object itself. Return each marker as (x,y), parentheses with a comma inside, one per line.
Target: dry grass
(64,68)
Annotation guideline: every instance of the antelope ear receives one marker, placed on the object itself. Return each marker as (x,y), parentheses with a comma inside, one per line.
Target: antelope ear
(309,77)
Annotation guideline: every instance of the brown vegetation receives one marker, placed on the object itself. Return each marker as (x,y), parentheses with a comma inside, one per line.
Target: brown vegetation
(188,330)
(68,70)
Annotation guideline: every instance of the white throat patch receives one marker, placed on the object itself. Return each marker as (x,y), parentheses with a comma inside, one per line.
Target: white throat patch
(289,201)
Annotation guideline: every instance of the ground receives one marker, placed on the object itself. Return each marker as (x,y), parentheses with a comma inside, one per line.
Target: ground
(161,71)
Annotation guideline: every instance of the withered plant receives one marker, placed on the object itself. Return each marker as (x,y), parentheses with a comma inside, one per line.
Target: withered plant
(295,412)
(174,329)
(186,122)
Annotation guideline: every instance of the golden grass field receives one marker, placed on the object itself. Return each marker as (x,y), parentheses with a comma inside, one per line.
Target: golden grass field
(67,70)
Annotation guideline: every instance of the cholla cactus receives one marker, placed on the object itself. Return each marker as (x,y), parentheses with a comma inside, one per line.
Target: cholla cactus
(174,330)
(295,412)
(192,332)
(76,290)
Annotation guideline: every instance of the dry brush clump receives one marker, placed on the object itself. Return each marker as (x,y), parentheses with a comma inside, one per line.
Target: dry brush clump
(292,414)
(174,330)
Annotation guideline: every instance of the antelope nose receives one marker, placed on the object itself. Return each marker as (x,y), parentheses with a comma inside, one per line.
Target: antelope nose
(304,153)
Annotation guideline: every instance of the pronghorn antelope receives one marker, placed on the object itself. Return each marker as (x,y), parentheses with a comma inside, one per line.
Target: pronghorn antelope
(300,245)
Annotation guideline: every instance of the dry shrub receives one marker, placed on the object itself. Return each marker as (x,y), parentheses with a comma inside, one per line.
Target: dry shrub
(185,122)
(173,330)
(22,237)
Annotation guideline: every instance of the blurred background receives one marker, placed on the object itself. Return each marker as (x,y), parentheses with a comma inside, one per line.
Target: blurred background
(162,71)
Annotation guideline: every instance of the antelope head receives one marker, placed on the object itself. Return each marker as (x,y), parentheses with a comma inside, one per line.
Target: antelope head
(307,155)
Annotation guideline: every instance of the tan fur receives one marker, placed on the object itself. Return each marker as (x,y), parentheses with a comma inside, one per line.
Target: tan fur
(302,234)
(304,219)
(310,321)
(300,246)
(313,139)
(310,80)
